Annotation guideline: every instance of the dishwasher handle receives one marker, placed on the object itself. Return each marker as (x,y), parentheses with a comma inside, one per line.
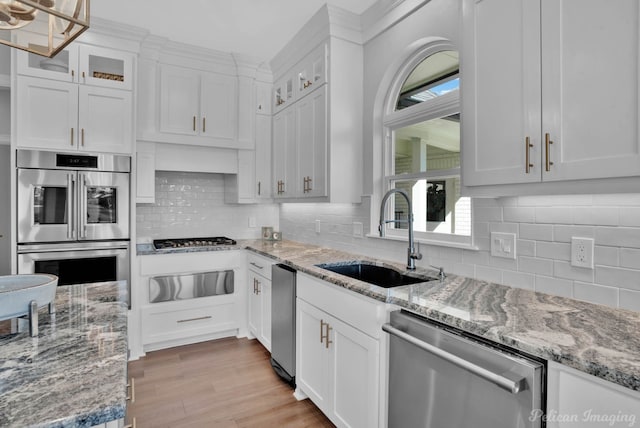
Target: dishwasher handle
(512,386)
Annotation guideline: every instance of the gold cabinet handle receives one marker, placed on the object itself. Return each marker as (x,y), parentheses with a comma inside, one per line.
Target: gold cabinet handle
(309,184)
(327,342)
(258,188)
(132,389)
(321,331)
(83,75)
(82,136)
(72,136)
(132,424)
(527,147)
(257,287)
(73,74)
(204,124)
(547,143)
(194,123)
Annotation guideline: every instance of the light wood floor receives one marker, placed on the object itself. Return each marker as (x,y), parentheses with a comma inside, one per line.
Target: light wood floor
(222,383)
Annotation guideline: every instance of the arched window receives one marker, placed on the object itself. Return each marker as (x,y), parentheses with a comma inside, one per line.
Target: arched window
(422,147)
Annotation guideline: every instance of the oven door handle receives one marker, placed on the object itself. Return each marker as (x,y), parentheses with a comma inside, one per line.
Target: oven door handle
(509,385)
(70,197)
(83,200)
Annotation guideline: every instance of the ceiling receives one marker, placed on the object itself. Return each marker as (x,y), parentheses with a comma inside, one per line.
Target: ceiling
(257,28)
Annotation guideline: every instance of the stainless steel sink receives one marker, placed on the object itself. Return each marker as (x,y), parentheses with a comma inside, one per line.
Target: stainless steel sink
(381,276)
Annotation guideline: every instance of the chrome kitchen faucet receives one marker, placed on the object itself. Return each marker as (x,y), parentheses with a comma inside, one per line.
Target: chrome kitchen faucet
(412,254)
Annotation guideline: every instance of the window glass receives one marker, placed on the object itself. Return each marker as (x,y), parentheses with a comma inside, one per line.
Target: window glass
(431,145)
(435,76)
(424,150)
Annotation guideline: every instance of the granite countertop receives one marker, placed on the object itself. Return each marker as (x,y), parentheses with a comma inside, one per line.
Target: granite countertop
(596,339)
(74,373)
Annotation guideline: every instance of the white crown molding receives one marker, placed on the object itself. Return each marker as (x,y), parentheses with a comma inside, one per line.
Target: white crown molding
(386,13)
(103,32)
(328,21)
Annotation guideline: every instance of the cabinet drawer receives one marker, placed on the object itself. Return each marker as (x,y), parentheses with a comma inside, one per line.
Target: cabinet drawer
(260,265)
(361,312)
(169,322)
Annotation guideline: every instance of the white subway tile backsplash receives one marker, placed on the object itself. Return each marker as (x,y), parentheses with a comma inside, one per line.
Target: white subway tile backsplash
(629,299)
(518,279)
(536,232)
(629,216)
(544,226)
(596,293)
(629,258)
(550,285)
(618,236)
(564,233)
(618,277)
(554,215)
(553,250)
(535,265)
(562,269)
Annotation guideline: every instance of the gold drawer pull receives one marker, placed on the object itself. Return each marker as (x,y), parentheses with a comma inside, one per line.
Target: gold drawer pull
(194,123)
(204,125)
(132,389)
(547,142)
(327,341)
(195,319)
(72,136)
(82,136)
(528,164)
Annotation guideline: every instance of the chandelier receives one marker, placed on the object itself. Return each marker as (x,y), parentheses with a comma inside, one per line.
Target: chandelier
(43,27)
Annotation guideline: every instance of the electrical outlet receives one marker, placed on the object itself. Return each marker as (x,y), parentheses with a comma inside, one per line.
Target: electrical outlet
(503,245)
(582,252)
(252,221)
(317,226)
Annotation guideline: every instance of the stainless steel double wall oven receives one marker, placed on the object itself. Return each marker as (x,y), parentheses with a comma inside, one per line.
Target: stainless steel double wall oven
(73,215)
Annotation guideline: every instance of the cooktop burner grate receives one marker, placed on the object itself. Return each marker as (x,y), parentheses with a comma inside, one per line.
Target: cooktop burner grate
(161,244)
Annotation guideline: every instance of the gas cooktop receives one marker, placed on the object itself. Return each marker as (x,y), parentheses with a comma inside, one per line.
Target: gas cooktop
(163,244)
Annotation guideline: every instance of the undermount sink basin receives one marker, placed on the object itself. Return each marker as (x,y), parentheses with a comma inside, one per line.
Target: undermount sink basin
(373,274)
(18,291)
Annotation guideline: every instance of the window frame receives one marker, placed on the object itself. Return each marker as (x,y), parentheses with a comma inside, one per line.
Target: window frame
(393,119)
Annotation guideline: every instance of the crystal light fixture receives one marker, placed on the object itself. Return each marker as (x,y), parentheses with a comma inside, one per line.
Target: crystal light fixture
(43,27)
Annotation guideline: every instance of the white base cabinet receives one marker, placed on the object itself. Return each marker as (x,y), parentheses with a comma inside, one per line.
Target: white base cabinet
(578,400)
(338,352)
(259,292)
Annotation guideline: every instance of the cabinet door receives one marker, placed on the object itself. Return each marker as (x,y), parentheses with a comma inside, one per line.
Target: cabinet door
(63,67)
(354,373)
(105,120)
(594,129)
(311,136)
(218,106)
(312,71)
(106,67)
(284,153)
(312,358)
(47,114)
(179,100)
(264,289)
(501,93)
(263,157)
(262,100)
(283,93)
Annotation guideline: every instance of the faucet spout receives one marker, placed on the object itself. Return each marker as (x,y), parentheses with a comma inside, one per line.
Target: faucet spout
(412,254)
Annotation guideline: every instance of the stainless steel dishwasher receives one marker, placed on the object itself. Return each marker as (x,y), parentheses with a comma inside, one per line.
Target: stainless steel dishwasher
(283,322)
(440,377)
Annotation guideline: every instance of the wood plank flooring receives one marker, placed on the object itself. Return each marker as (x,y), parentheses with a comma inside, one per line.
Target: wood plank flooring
(225,383)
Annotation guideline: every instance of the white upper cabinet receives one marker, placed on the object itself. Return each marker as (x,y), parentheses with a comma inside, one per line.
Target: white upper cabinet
(534,109)
(81,99)
(197,103)
(317,126)
(84,64)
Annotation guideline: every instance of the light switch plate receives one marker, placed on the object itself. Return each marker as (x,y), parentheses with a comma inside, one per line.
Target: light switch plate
(252,222)
(503,245)
(317,226)
(357,229)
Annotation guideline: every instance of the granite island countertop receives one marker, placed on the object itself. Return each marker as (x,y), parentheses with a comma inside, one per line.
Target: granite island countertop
(74,373)
(596,339)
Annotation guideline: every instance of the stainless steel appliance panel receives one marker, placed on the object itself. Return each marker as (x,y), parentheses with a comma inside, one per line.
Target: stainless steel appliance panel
(103,205)
(77,263)
(190,286)
(441,379)
(73,161)
(283,321)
